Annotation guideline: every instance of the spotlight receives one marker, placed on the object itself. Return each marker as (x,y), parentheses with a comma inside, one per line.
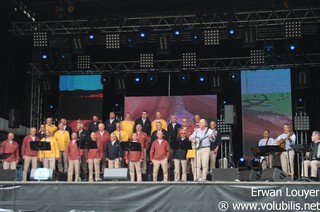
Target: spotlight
(137,80)
(242,164)
(293,29)
(146,61)
(268,49)
(255,164)
(143,34)
(44,56)
(163,45)
(40,39)
(232,31)
(152,79)
(225,102)
(196,37)
(84,62)
(177,33)
(292,48)
(189,60)
(257,57)
(91,36)
(234,77)
(183,79)
(131,42)
(201,78)
(105,79)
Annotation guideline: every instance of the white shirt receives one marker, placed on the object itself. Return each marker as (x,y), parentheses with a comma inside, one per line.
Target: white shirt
(73,141)
(143,120)
(47,139)
(112,142)
(33,138)
(160,141)
(111,121)
(173,124)
(101,133)
(10,143)
(288,142)
(263,141)
(201,134)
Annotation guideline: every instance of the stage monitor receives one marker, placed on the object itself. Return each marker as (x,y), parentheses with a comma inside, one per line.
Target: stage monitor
(116,174)
(41,174)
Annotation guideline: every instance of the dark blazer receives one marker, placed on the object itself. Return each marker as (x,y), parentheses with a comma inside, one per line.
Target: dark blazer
(69,129)
(111,127)
(83,136)
(93,127)
(113,152)
(173,132)
(180,153)
(41,135)
(217,141)
(146,127)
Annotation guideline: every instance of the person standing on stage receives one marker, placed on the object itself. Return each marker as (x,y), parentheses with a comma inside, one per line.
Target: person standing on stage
(143,138)
(29,155)
(266,161)
(203,153)
(121,134)
(173,128)
(49,157)
(179,157)
(74,155)
(285,140)
(184,126)
(10,146)
(128,124)
(154,134)
(93,126)
(83,136)
(196,121)
(134,159)
(66,127)
(110,124)
(159,156)
(214,147)
(312,157)
(158,119)
(144,122)
(114,152)
(42,132)
(50,126)
(103,137)
(62,136)
(93,158)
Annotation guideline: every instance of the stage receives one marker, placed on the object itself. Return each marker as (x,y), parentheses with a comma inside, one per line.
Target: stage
(159,196)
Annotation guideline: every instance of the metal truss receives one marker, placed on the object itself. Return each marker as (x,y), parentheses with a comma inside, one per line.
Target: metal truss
(263,20)
(36,95)
(209,64)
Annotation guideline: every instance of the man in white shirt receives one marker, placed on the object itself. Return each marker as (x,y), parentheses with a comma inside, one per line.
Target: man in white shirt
(312,157)
(203,153)
(287,138)
(266,161)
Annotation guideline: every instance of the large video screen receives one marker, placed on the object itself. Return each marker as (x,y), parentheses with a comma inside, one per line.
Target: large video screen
(181,106)
(266,104)
(80,98)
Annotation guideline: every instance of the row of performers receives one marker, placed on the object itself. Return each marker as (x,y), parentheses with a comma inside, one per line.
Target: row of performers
(286,141)
(71,159)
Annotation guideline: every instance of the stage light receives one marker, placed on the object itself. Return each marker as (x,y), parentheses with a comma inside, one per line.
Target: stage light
(257,57)
(232,31)
(183,79)
(44,56)
(137,80)
(211,37)
(51,106)
(255,164)
(196,37)
(112,41)
(292,48)
(83,62)
(249,37)
(77,45)
(225,102)
(131,42)
(40,39)
(234,77)
(177,33)
(91,36)
(201,78)
(268,48)
(293,29)
(189,60)
(242,164)
(105,79)
(152,79)
(163,45)
(146,61)
(216,81)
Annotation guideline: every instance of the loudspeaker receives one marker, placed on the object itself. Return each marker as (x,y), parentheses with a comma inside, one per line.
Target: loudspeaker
(8,175)
(119,174)
(275,175)
(225,174)
(14,118)
(249,175)
(42,174)
(229,114)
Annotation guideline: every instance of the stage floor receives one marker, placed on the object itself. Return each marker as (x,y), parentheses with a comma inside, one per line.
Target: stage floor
(151,196)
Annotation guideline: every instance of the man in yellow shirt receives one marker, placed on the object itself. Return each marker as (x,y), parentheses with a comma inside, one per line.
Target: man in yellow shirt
(62,136)
(49,157)
(128,125)
(51,127)
(158,119)
(121,134)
